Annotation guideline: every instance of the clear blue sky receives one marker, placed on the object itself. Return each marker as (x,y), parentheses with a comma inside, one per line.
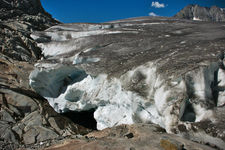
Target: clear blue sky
(69,11)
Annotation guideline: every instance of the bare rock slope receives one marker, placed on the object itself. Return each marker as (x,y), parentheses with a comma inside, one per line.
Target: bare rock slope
(25,117)
(18,20)
(138,70)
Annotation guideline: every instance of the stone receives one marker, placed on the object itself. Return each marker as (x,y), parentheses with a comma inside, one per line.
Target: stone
(30,136)
(5,116)
(33,119)
(56,124)
(6,133)
(65,127)
(24,103)
(18,131)
(45,134)
(4,145)
(15,110)
(38,134)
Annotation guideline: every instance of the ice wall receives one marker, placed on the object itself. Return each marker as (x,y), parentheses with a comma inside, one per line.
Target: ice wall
(120,70)
(140,95)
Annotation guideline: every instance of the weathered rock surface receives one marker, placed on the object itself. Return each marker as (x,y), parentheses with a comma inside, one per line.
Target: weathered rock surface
(196,12)
(160,70)
(134,137)
(25,117)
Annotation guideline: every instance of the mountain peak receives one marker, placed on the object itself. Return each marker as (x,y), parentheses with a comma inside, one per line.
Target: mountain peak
(196,12)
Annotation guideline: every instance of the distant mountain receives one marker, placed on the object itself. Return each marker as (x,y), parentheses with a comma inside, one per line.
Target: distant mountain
(197,12)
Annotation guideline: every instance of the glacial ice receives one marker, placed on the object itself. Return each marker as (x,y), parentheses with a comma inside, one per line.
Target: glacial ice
(115,102)
(142,94)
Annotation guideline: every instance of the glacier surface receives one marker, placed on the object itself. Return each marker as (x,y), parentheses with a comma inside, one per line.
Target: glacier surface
(130,77)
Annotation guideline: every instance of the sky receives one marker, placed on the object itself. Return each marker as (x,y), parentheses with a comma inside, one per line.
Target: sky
(96,11)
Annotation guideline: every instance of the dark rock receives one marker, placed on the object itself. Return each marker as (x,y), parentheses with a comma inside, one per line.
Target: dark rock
(45,134)
(5,116)
(19,19)
(65,127)
(18,130)
(22,102)
(15,111)
(9,8)
(6,133)
(129,135)
(4,145)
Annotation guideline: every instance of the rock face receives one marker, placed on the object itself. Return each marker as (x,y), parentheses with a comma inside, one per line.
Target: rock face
(18,20)
(25,117)
(134,137)
(160,70)
(14,8)
(196,12)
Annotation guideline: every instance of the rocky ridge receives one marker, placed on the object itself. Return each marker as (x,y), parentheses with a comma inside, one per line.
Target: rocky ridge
(196,12)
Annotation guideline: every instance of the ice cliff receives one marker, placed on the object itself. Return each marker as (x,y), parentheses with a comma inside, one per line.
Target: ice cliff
(160,70)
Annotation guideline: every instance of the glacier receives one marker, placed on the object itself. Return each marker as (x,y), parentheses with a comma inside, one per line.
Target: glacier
(139,70)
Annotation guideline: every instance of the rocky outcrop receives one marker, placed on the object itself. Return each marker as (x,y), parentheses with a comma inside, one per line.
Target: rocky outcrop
(160,70)
(18,20)
(25,117)
(134,137)
(196,12)
(11,9)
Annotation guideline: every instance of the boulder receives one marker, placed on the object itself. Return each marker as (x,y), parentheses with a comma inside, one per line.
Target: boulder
(6,133)
(5,116)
